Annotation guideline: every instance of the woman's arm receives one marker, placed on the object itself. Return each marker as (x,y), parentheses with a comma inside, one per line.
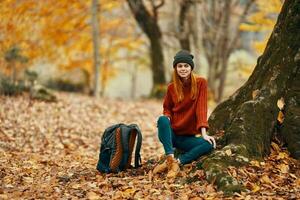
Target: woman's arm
(168,104)
(201,108)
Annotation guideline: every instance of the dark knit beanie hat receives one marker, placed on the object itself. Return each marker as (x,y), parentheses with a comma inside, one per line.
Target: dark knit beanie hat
(183,56)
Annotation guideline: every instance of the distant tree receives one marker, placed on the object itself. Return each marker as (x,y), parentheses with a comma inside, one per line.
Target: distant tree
(13,56)
(95,35)
(262,20)
(220,21)
(148,22)
(59,32)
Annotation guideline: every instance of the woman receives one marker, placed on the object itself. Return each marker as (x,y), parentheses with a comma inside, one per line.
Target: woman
(184,117)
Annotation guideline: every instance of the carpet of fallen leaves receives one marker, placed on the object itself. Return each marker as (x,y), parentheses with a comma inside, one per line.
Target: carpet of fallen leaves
(50,151)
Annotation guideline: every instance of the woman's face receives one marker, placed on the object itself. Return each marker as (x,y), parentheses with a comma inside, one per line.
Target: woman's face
(183,70)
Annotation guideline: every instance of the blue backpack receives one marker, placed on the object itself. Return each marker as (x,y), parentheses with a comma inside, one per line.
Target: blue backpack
(116,149)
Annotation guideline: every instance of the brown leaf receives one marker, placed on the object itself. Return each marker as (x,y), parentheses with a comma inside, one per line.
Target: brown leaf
(255,94)
(210,188)
(92,196)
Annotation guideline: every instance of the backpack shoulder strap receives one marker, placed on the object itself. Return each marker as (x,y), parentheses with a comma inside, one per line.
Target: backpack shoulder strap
(137,160)
(125,134)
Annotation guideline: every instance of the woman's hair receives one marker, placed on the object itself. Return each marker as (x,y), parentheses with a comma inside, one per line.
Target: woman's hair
(178,85)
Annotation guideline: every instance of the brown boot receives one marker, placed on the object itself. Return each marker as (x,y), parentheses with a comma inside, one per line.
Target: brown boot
(173,167)
(160,168)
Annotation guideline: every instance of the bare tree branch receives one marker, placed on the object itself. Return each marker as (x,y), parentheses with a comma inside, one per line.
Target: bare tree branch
(155,7)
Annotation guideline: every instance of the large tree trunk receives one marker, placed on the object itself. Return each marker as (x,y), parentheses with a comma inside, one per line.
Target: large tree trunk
(148,23)
(248,117)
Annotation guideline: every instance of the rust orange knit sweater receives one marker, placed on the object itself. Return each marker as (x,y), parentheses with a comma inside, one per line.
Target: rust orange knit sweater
(188,116)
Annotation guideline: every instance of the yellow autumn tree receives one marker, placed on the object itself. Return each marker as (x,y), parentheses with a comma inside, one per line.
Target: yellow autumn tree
(263,20)
(60,31)
(17,37)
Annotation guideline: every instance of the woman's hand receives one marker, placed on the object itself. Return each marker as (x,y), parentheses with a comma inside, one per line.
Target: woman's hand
(208,138)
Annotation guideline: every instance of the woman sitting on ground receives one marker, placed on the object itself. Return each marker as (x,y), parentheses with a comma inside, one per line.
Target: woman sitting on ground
(184,121)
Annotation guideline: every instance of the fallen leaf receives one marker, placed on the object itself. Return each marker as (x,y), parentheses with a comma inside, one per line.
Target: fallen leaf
(282,155)
(150,175)
(267,180)
(255,188)
(92,196)
(280,117)
(128,193)
(254,163)
(210,188)
(183,196)
(228,152)
(275,146)
(280,103)
(297,182)
(284,168)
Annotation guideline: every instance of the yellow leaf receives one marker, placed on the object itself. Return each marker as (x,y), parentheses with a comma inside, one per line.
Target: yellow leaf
(255,163)
(284,168)
(128,192)
(275,146)
(265,179)
(254,188)
(282,155)
(228,152)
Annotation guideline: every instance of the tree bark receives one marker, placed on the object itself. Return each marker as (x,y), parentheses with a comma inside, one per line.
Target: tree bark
(148,23)
(95,35)
(248,117)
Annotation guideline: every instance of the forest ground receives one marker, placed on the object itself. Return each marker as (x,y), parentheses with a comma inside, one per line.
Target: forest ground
(50,151)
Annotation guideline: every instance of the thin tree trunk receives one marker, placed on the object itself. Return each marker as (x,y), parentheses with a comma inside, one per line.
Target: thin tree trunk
(224,54)
(184,31)
(95,34)
(14,73)
(134,73)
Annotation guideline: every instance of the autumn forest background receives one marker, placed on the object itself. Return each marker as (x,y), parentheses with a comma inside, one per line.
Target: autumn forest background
(69,69)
